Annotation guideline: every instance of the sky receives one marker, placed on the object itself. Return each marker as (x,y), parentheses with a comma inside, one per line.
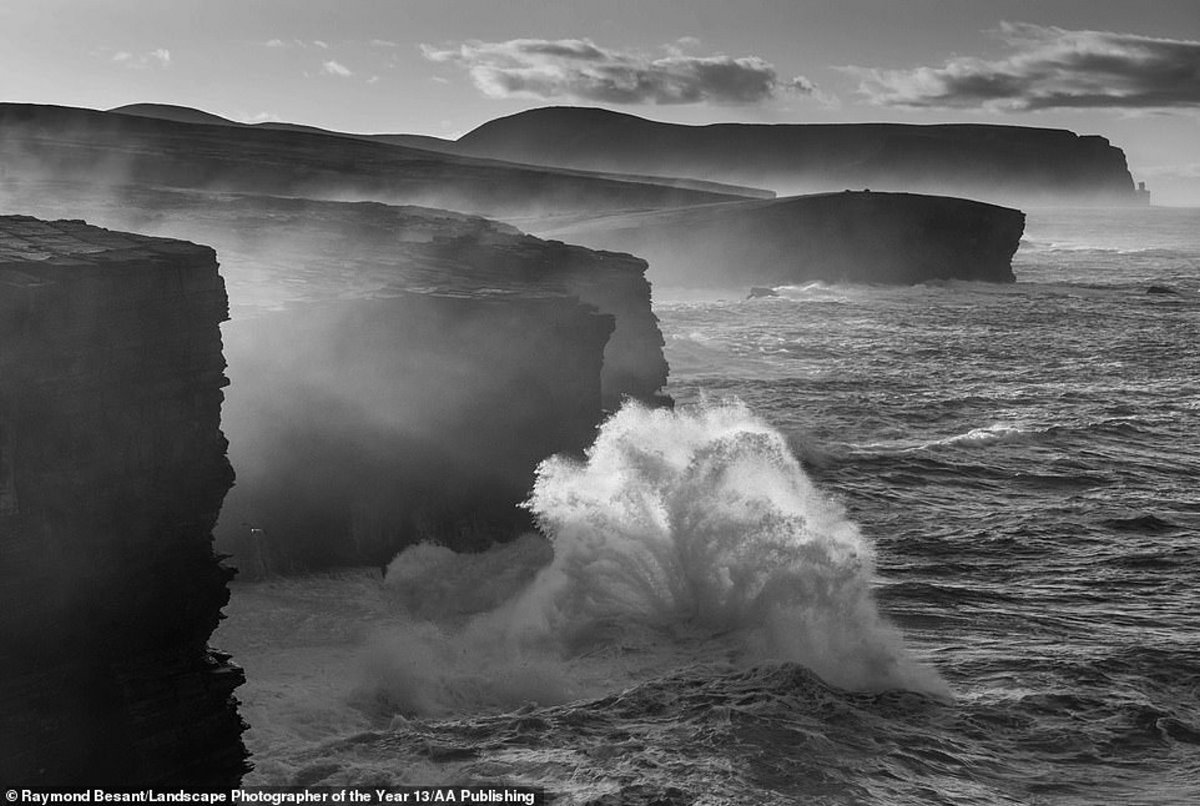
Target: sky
(1129,71)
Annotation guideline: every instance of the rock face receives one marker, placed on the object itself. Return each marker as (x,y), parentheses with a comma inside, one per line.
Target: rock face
(1005,164)
(363,427)
(419,408)
(50,142)
(893,238)
(112,475)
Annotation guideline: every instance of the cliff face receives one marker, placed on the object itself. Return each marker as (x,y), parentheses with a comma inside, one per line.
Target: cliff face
(420,410)
(362,427)
(1005,164)
(613,282)
(112,475)
(895,238)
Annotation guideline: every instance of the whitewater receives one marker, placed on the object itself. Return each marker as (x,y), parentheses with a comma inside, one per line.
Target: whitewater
(894,546)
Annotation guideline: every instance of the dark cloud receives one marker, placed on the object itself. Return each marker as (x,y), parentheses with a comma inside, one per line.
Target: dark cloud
(1051,68)
(578,69)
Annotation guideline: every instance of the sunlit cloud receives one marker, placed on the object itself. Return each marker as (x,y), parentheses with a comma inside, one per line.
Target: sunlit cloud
(333,68)
(1050,68)
(160,57)
(296,43)
(579,69)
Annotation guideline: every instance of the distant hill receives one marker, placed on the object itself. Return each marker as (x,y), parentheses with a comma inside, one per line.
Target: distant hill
(1011,164)
(53,142)
(183,114)
(179,114)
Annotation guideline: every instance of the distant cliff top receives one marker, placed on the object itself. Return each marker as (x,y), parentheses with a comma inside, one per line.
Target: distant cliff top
(1010,164)
(28,243)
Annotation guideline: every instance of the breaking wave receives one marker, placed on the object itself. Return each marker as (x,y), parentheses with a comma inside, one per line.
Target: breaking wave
(684,537)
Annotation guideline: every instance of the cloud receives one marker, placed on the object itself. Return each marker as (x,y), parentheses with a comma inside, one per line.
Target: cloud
(296,43)
(160,57)
(579,69)
(333,68)
(1050,68)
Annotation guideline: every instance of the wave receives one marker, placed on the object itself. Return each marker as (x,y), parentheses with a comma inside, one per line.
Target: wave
(1067,247)
(684,535)
(990,435)
(1007,434)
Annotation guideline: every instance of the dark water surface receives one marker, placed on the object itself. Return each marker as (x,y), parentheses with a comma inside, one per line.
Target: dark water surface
(990,560)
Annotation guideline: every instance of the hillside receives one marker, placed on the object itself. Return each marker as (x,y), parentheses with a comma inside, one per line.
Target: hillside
(64,143)
(1006,164)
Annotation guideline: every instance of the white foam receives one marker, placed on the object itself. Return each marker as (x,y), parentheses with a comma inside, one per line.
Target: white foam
(682,534)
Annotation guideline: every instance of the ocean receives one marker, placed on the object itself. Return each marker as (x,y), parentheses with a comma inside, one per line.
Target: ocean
(919,545)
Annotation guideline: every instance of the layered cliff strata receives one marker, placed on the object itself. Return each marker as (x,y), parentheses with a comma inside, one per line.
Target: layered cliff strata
(865,237)
(1007,164)
(112,475)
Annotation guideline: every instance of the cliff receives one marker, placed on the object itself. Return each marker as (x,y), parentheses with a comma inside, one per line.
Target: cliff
(63,143)
(277,251)
(359,428)
(112,475)
(397,372)
(893,238)
(1005,164)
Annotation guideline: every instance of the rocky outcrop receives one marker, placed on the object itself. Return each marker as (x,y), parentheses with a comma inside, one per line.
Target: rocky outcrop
(894,238)
(1006,164)
(62,143)
(112,475)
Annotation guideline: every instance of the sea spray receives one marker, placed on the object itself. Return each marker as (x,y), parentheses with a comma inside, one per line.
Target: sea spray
(705,517)
(683,537)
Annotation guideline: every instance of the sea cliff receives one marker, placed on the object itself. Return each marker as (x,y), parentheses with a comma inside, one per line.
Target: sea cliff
(1016,165)
(112,475)
(864,237)
(277,251)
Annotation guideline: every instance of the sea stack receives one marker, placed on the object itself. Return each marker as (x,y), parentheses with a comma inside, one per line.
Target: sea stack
(112,474)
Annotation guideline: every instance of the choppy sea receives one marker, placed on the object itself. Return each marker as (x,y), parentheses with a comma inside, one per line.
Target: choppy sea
(937,544)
